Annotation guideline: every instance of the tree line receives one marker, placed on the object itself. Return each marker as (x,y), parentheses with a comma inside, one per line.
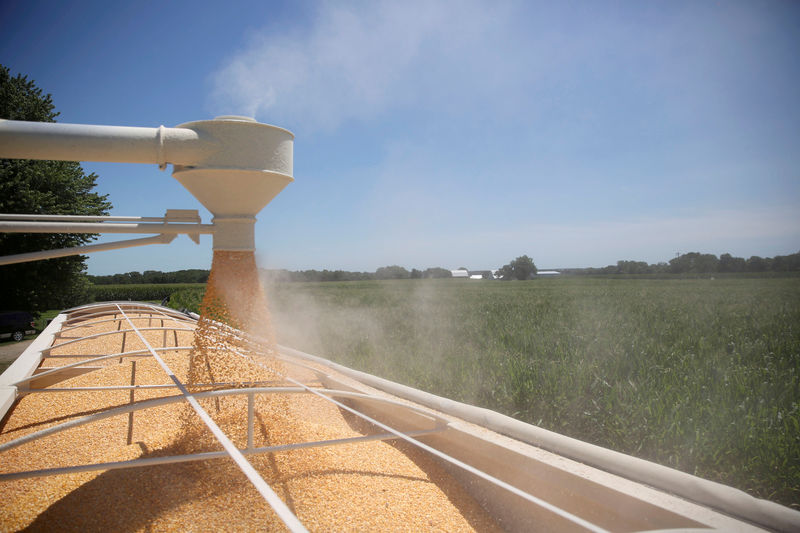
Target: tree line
(382,273)
(193,275)
(201,276)
(520,268)
(699,263)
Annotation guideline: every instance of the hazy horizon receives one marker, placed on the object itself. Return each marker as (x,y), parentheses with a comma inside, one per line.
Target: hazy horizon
(450,133)
(423,268)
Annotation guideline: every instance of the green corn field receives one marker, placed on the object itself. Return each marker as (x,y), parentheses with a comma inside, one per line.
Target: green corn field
(697,374)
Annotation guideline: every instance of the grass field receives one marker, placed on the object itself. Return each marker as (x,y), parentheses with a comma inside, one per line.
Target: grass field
(700,375)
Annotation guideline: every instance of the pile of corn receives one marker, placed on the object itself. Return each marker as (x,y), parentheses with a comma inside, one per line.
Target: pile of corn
(352,487)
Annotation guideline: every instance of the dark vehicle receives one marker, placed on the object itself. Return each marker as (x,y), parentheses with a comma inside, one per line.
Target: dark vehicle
(16,324)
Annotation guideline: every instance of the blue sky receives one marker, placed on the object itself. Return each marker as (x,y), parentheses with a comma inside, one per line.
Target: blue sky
(452,133)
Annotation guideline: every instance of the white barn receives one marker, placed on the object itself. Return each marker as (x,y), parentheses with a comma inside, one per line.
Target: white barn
(548,273)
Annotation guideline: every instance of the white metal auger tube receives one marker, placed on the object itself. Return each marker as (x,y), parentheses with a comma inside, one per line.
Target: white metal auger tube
(111,144)
(233,165)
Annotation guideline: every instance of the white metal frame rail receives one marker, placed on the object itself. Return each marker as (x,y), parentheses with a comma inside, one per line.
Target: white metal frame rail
(445,457)
(233,165)
(229,449)
(166,228)
(440,425)
(280,508)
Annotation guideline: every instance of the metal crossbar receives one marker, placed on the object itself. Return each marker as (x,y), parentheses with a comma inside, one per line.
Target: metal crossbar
(137,353)
(280,508)
(448,458)
(106,333)
(106,388)
(83,310)
(204,456)
(153,316)
(229,449)
(440,423)
(78,314)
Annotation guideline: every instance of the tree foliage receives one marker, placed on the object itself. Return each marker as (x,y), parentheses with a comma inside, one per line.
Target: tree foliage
(392,272)
(42,187)
(520,268)
(193,275)
(437,272)
(139,291)
(694,262)
(699,263)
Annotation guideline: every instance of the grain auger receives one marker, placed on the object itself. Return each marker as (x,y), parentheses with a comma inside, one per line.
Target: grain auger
(233,165)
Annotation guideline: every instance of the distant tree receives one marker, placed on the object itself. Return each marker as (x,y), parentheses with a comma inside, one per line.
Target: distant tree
(153,276)
(42,187)
(331,275)
(520,268)
(505,272)
(786,263)
(632,267)
(328,275)
(192,275)
(707,263)
(660,268)
(728,263)
(694,262)
(415,274)
(437,272)
(274,276)
(391,272)
(779,264)
(306,275)
(793,262)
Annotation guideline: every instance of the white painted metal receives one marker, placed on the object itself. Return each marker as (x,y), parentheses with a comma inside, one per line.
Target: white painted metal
(113,144)
(269,495)
(79,218)
(106,388)
(172,215)
(25,364)
(204,456)
(84,312)
(251,399)
(233,165)
(102,227)
(174,222)
(87,249)
(87,323)
(106,333)
(439,423)
(578,521)
(136,353)
(255,165)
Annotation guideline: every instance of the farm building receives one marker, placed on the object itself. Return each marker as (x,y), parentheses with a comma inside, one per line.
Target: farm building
(548,273)
(474,274)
